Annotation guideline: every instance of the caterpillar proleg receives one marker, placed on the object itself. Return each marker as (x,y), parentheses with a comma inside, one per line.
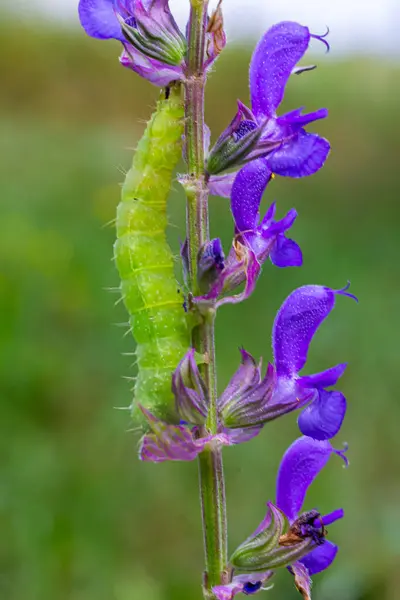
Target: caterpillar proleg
(145,261)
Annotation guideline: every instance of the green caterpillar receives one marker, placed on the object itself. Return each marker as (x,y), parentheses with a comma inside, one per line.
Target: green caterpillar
(146,264)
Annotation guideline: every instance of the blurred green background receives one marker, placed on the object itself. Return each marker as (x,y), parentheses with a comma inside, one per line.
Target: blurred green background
(81,518)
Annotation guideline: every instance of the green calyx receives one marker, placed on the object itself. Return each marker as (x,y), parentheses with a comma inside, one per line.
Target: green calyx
(271,546)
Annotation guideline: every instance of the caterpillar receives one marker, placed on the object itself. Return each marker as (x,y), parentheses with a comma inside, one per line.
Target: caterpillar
(146,264)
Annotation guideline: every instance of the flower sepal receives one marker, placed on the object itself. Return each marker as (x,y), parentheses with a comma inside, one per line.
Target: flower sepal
(210,263)
(154,33)
(175,442)
(274,544)
(239,143)
(189,389)
(244,403)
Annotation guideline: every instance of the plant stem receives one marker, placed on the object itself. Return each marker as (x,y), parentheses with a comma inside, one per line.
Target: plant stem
(212,494)
(212,485)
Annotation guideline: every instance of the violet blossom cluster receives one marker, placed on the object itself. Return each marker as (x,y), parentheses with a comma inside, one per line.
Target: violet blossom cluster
(257,144)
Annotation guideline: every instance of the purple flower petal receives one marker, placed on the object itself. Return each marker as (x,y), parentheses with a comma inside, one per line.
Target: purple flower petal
(247,192)
(155,18)
(300,465)
(251,405)
(323,418)
(295,325)
(252,269)
(330,518)
(191,399)
(271,227)
(151,69)
(247,375)
(302,155)
(295,119)
(221,185)
(325,379)
(273,60)
(210,264)
(177,442)
(321,558)
(206,139)
(173,442)
(241,435)
(235,124)
(99,20)
(288,396)
(246,584)
(286,253)
(228,591)
(268,217)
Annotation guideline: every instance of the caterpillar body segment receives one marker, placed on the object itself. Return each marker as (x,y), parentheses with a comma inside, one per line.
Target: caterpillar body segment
(146,264)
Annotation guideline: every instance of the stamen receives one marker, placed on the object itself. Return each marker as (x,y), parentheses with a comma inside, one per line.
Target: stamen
(267,587)
(324,35)
(342,454)
(343,292)
(300,70)
(322,39)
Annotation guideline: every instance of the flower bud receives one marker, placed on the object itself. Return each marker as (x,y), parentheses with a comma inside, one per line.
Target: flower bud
(191,398)
(155,33)
(274,543)
(240,143)
(234,144)
(210,263)
(253,554)
(245,402)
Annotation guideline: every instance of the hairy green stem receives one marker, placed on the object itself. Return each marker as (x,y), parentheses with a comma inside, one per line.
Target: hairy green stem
(212,485)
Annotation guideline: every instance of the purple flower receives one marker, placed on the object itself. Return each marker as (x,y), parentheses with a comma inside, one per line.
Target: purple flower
(301,464)
(289,150)
(283,390)
(243,584)
(174,442)
(265,238)
(153,45)
(210,264)
(239,143)
(242,402)
(294,327)
(254,240)
(221,185)
(188,439)
(287,536)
